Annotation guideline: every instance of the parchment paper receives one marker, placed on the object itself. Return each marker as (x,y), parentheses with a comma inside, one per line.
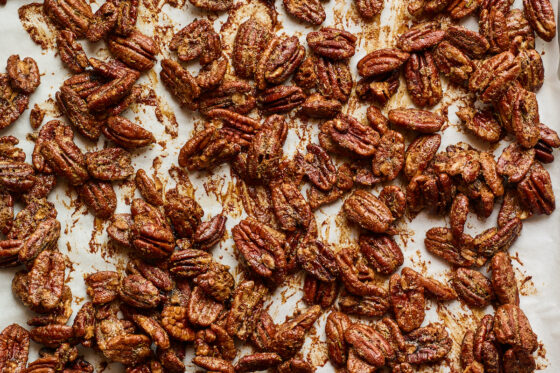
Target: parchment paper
(537,262)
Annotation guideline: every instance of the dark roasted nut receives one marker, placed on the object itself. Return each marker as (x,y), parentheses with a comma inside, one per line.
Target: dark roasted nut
(280,99)
(12,103)
(159,277)
(517,360)
(317,165)
(458,215)
(422,121)
(127,134)
(431,344)
(422,79)
(525,118)
(333,79)
(343,184)
(23,74)
(511,327)
(368,211)
(494,240)
(151,236)
(348,135)
(184,213)
(6,212)
(77,112)
(102,287)
(128,349)
(153,329)
(290,335)
(265,151)
(211,75)
(381,61)
(139,292)
(237,128)
(201,310)
(9,250)
(74,15)
(189,263)
(440,242)
(109,164)
(16,176)
(493,26)
(291,209)
(279,60)
(512,208)
(44,184)
(535,191)
(120,229)
(28,218)
(369,8)
(459,160)
(52,335)
(419,154)
(99,197)
(9,151)
(503,279)
(470,42)
(258,361)
(337,324)
(213,364)
(247,297)
(394,198)
(216,282)
(180,82)
(150,188)
(332,43)
(45,281)
(472,287)
(251,40)
(369,345)
(214,6)
(430,7)
(515,162)
(422,36)
(453,63)
(44,237)
(532,70)
(389,156)
(137,50)
(521,34)
(113,92)
(458,9)
(207,150)
(262,248)
(237,96)
(540,15)
(481,123)
(318,292)
(84,323)
(197,40)
(382,252)
(355,364)
(211,232)
(103,22)
(174,321)
(377,120)
(432,288)
(310,11)
(378,89)
(264,330)
(407,300)
(492,76)
(319,260)
(14,344)
(549,140)
(369,306)
(296,365)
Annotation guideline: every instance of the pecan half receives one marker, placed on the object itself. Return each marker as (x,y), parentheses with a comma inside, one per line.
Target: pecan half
(332,43)
(422,121)
(99,197)
(540,15)
(198,40)
(511,327)
(109,164)
(23,74)
(180,82)
(250,41)
(126,133)
(381,61)
(453,63)
(214,6)
(12,103)
(470,42)
(421,36)
(472,287)
(368,9)
(279,60)
(310,11)
(14,344)
(74,15)
(368,211)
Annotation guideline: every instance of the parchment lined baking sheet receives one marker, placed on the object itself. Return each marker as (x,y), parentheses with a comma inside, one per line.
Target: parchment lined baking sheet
(536,256)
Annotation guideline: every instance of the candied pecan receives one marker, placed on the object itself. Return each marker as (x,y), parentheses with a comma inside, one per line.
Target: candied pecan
(332,43)
(278,61)
(290,335)
(521,34)
(378,89)
(431,344)
(348,135)
(460,159)
(215,341)
(355,364)
(184,213)
(511,208)
(382,252)
(138,292)
(9,250)
(472,287)
(369,8)
(214,6)
(422,121)
(213,364)
(470,42)
(45,281)
(535,190)
(23,74)
(515,162)
(458,215)
(503,279)
(377,120)
(265,151)
(14,344)
(317,165)
(389,156)
(319,260)
(44,237)
(114,91)
(262,247)
(532,70)
(291,209)
(103,22)
(127,13)
(407,300)
(211,75)
(74,15)
(197,40)
(257,361)
(421,36)
(174,321)
(309,11)
(458,9)
(344,182)
(264,330)
(332,78)
(9,151)
(159,277)
(150,188)
(369,345)
(296,365)
(247,296)
(493,26)
(237,96)
(236,127)
(201,310)
(381,61)
(137,50)
(433,288)
(12,103)
(6,212)
(548,141)
(120,228)
(109,164)
(394,198)
(540,15)
(481,123)
(419,154)
(209,233)
(84,323)
(102,286)
(52,335)
(151,236)
(318,292)
(77,112)
(280,99)
(337,323)
(511,327)
(369,305)
(453,63)
(154,330)
(16,176)
(492,76)
(127,134)
(356,275)
(180,82)
(250,41)
(36,117)
(189,263)
(207,150)
(368,211)
(216,282)
(440,242)
(128,349)
(517,360)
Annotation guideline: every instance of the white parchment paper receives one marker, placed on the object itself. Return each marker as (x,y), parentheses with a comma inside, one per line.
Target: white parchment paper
(84,240)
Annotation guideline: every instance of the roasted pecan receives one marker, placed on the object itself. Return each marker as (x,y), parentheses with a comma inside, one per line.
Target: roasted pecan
(394,198)
(472,287)
(236,96)
(201,310)
(419,154)
(16,176)
(458,9)
(503,279)
(521,34)
(154,330)
(279,60)
(109,164)
(71,52)
(128,349)
(262,248)
(407,300)
(535,191)
(459,159)
(174,321)
(381,61)
(137,291)
(23,74)
(493,26)
(337,324)
(103,22)
(99,197)
(127,13)
(265,151)
(291,209)
(236,127)
(102,287)
(77,112)
(257,361)
(216,282)
(211,75)
(290,335)
(180,82)
(151,236)
(113,92)
(317,165)
(214,6)
(389,156)
(377,120)
(150,188)
(14,344)
(525,118)
(213,364)
(515,162)
(84,323)
(296,365)
(368,211)
(356,275)
(12,103)
(310,11)
(368,344)
(470,42)
(369,8)
(280,99)
(518,360)
(540,15)
(74,15)
(137,50)
(481,123)
(332,43)
(440,242)
(207,150)
(247,296)
(492,76)
(251,40)
(333,79)
(378,89)
(318,292)
(422,121)
(127,134)
(346,134)
(453,63)
(549,140)
(9,250)
(46,280)
(189,263)
(198,40)
(211,232)
(421,36)
(369,306)
(52,335)
(319,260)
(382,252)
(431,344)
(511,327)
(532,70)
(184,213)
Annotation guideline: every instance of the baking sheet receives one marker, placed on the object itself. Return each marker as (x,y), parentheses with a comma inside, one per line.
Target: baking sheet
(84,239)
